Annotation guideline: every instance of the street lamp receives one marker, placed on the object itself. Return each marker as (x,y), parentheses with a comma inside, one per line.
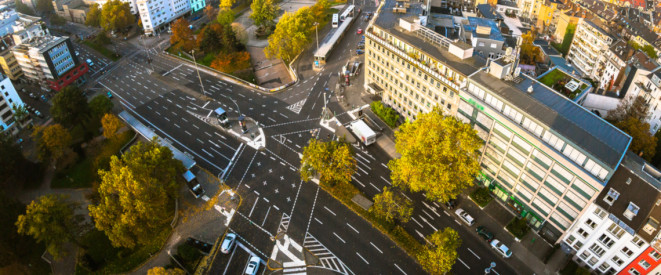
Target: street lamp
(316,24)
(198,73)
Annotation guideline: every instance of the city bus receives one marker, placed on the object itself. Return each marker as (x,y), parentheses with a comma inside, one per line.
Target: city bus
(347,13)
(336,20)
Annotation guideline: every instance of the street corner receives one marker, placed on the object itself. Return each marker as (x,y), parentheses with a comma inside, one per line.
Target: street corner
(248,130)
(227,203)
(287,254)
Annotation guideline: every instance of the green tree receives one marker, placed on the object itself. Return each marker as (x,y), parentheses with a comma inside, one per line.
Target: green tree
(137,194)
(99,106)
(291,35)
(20,112)
(643,141)
(162,271)
(439,156)
(530,54)
(14,247)
(636,108)
(93,16)
(392,206)
(23,8)
(51,220)
(650,51)
(111,124)
(225,17)
(439,256)
(52,141)
(332,161)
(116,15)
(44,6)
(264,12)
(69,106)
(14,167)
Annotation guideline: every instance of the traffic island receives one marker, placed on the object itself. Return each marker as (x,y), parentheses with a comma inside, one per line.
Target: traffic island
(245,129)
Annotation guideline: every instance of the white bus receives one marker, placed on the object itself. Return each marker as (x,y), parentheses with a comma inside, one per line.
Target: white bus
(336,21)
(347,13)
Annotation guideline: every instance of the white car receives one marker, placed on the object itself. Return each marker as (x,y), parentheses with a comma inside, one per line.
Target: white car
(253,266)
(228,243)
(465,217)
(501,248)
(89,62)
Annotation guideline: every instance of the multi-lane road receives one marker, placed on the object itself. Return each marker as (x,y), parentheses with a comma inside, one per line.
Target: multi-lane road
(165,95)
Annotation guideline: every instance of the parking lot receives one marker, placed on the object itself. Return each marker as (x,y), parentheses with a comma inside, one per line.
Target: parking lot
(236,261)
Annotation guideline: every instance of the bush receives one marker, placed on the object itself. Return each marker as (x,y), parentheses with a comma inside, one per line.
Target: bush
(189,256)
(518,227)
(481,196)
(387,114)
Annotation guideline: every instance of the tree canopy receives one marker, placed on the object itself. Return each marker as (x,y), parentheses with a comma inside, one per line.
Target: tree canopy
(136,194)
(111,124)
(14,247)
(264,12)
(630,116)
(14,167)
(116,15)
(530,54)
(69,106)
(332,161)
(50,220)
(439,256)
(291,35)
(23,8)
(20,112)
(44,6)
(439,156)
(210,12)
(163,271)
(52,141)
(392,206)
(93,16)
(100,105)
(182,34)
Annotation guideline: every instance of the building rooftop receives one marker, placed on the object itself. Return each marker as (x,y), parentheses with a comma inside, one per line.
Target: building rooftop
(580,126)
(637,182)
(488,11)
(546,47)
(476,23)
(508,3)
(388,21)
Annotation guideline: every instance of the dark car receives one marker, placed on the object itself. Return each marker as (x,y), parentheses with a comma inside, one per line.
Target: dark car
(203,247)
(109,94)
(484,233)
(360,46)
(451,204)
(359,52)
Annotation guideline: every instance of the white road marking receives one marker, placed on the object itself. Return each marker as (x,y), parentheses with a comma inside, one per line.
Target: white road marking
(362,258)
(329,211)
(318,221)
(400,269)
(471,251)
(376,248)
(339,237)
(353,228)
(253,207)
(463,263)
(416,221)
(377,188)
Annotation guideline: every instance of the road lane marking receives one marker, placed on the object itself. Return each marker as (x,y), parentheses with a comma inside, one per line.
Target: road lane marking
(471,251)
(339,237)
(386,180)
(376,248)
(407,197)
(266,216)
(361,184)
(416,221)
(267,200)
(457,222)
(362,258)
(377,188)
(329,211)
(318,221)
(446,213)
(463,263)
(400,269)
(253,207)
(428,215)
(353,228)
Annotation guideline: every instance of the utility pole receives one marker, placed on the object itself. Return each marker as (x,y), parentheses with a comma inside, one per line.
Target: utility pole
(316,24)
(198,73)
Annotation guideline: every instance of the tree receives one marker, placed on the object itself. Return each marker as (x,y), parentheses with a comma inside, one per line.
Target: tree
(111,124)
(636,108)
(162,271)
(57,20)
(392,206)
(210,12)
(264,12)
(226,4)
(240,33)
(100,105)
(291,35)
(14,167)
(231,62)
(51,220)
(23,8)
(530,54)
(642,140)
(225,17)
(116,15)
(182,34)
(44,6)
(137,194)
(320,9)
(209,39)
(20,112)
(69,106)
(650,51)
(332,161)
(439,256)
(439,156)
(14,247)
(93,16)
(52,141)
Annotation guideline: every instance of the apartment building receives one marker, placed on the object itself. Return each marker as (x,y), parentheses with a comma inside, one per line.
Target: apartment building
(621,223)
(71,10)
(564,19)
(8,98)
(545,157)
(613,65)
(484,36)
(648,262)
(155,14)
(7,60)
(590,44)
(51,61)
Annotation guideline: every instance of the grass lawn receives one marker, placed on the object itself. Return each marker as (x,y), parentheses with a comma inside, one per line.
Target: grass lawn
(113,260)
(77,176)
(557,79)
(552,77)
(102,50)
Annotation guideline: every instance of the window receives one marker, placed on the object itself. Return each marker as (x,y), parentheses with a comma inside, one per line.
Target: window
(532,127)
(611,196)
(599,212)
(570,240)
(542,159)
(606,240)
(535,171)
(595,169)
(633,271)
(585,255)
(494,102)
(583,233)
(626,251)
(632,211)
(655,255)
(513,114)
(644,264)
(617,260)
(616,230)
(593,261)
(603,267)
(521,144)
(574,154)
(638,241)
(591,223)
(553,140)
(562,173)
(555,185)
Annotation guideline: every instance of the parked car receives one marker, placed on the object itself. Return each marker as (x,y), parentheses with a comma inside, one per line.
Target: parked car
(501,248)
(203,247)
(89,62)
(465,217)
(43,98)
(360,31)
(37,113)
(359,52)
(77,53)
(109,94)
(484,233)
(228,243)
(450,204)
(253,266)
(360,46)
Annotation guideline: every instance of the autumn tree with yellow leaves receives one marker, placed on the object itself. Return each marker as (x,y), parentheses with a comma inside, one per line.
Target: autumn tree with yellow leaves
(332,162)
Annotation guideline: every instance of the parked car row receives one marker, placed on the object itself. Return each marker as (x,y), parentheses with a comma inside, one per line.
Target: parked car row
(33,111)
(482,231)
(228,245)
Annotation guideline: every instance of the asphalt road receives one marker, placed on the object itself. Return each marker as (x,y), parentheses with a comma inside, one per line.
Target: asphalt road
(158,94)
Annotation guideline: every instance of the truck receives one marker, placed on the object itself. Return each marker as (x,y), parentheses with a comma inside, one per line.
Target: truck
(363,132)
(221,116)
(193,185)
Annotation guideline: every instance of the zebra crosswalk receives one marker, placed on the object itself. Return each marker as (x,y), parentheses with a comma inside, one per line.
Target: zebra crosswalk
(297,107)
(326,258)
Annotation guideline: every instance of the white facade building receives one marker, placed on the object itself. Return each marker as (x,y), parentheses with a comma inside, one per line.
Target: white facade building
(588,49)
(647,85)
(8,98)
(158,13)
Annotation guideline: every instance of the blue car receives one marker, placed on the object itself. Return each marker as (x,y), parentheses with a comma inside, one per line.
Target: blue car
(359,52)
(109,94)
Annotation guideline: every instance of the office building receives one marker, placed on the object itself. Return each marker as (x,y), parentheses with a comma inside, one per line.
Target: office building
(8,98)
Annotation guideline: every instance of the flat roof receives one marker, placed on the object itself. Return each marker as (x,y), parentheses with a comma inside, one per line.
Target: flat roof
(578,125)
(388,21)
(474,22)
